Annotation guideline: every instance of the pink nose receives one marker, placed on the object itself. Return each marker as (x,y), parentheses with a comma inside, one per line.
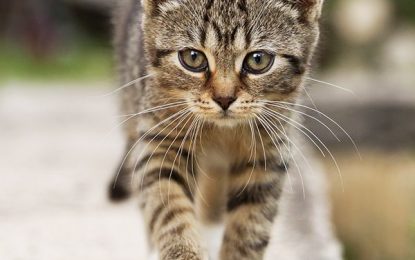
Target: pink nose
(224,102)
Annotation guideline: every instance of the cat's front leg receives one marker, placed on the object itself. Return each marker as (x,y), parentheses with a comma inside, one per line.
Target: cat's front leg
(251,209)
(167,205)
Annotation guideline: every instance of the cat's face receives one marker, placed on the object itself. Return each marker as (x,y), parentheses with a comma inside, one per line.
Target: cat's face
(226,57)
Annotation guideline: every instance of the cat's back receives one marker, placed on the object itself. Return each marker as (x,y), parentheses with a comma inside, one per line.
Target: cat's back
(127,19)
(129,57)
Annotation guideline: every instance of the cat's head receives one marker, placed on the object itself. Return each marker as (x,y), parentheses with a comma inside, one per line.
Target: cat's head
(227,58)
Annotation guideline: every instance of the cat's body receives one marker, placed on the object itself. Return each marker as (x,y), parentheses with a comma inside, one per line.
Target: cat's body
(205,155)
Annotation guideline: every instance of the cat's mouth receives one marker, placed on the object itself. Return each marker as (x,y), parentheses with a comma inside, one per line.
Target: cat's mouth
(227,118)
(239,111)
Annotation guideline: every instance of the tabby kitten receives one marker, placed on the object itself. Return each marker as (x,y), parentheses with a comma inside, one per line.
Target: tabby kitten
(211,102)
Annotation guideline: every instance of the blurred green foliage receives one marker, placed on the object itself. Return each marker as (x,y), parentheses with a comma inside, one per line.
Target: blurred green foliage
(86,59)
(405,9)
(90,57)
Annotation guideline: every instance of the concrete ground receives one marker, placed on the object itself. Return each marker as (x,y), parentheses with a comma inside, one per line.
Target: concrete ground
(56,158)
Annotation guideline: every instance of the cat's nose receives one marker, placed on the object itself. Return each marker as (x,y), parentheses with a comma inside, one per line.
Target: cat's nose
(224,102)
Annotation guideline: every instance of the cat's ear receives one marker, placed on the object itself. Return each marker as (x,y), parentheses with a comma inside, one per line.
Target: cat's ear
(310,9)
(151,7)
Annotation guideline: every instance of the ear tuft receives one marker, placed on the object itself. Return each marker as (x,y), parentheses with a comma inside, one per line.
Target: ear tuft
(310,9)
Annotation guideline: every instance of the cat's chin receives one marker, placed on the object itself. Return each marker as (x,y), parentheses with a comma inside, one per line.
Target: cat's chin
(227,122)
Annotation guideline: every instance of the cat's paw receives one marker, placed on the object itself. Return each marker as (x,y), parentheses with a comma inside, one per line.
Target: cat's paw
(182,253)
(154,255)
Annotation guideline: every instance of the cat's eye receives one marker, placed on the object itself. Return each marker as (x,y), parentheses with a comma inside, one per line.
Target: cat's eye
(258,62)
(193,60)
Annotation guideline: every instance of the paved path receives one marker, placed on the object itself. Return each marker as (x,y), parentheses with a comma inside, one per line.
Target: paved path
(55,161)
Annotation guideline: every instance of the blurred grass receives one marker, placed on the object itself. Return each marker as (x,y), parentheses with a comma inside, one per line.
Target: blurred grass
(83,61)
(375,215)
(406,9)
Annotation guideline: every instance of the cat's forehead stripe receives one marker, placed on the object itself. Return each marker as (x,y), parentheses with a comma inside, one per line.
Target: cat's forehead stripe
(213,34)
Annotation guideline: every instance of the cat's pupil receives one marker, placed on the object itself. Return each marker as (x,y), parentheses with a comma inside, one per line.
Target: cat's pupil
(257,58)
(194,55)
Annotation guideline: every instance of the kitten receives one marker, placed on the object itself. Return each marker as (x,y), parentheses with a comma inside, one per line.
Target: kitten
(212,121)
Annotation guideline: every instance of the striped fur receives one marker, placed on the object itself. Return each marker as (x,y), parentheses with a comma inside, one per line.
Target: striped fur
(191,161)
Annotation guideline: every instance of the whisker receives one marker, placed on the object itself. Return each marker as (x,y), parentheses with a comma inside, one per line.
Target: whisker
(174,140)
(290,141)
(201,170)
(124,86)
(200,131)
(193,151)
(172,168)
(251,147)
(280,116)
(254,163)
(332,85)
(309,97)
(272,103)
(140,139)
(181,117)
(144,112)
(310,116)
(180,152)
(263,148)
(190,147)
(278,146)
(153,109)
(288,120)
(200,137)
(165,155)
